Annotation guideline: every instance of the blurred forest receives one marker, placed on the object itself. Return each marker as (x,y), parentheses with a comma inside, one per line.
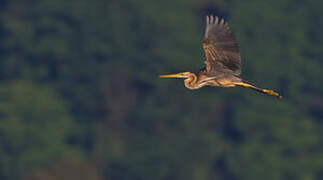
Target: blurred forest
(80,98)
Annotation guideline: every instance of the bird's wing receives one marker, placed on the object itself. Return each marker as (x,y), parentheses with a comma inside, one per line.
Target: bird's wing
(220,47)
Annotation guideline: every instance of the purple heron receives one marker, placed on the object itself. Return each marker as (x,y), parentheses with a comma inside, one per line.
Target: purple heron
(222,65)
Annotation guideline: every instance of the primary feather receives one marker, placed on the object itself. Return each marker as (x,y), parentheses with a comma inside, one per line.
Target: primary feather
(220,47)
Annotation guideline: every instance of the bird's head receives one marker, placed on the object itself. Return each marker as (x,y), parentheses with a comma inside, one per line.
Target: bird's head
(190,79)
(177,75)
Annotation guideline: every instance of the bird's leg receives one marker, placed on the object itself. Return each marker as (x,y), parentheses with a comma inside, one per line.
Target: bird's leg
(265,91)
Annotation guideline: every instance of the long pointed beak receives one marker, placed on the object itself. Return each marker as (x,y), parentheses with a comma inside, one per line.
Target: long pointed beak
(178,75)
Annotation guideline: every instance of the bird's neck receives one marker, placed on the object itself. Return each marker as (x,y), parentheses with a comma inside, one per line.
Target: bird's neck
(191,82)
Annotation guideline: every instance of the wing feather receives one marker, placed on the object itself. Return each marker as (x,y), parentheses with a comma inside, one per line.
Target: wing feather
(220,47)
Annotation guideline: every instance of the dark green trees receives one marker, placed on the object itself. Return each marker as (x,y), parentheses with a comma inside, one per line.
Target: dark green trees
(79,91)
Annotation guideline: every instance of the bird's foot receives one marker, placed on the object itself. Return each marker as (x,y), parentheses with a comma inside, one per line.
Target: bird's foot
(271,92)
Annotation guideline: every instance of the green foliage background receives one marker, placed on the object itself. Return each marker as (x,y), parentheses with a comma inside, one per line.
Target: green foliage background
(80,97)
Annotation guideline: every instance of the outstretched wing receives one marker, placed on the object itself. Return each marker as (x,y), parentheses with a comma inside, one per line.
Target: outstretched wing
(220,47)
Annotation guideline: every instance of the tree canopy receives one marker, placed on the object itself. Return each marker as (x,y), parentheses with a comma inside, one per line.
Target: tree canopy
(80,97)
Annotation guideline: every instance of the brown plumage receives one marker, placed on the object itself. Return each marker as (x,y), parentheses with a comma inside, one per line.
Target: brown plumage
(223,62)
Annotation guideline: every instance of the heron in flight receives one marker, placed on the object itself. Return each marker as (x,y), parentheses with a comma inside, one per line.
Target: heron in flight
(222,65)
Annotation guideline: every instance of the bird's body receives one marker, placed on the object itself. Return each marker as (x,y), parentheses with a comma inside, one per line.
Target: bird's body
(203,79)
(223,60)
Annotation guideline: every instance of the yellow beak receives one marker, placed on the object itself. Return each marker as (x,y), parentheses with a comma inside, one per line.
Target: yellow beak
(178,75)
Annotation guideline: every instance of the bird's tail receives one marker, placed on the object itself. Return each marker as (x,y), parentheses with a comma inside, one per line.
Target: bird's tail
(264,91)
